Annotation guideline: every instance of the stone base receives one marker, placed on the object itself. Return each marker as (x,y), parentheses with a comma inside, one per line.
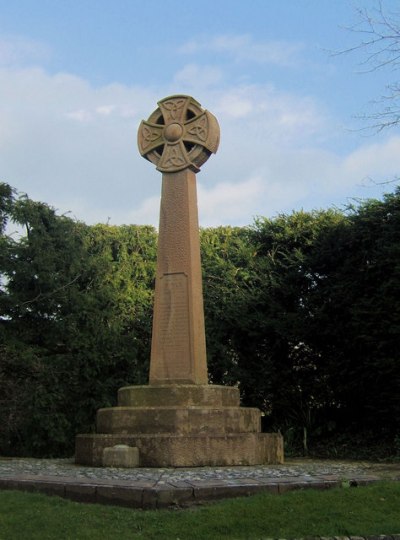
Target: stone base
(179,395)
(186,451)
(181,426)
(120,455)
(179,421)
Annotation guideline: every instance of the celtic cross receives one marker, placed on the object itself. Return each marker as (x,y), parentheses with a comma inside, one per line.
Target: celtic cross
(178,135)
(178,138)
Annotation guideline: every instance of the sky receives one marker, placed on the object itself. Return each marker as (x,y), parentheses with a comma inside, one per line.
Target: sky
(78,76)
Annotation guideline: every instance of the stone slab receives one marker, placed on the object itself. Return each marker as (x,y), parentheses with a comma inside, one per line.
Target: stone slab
(178,421)
(211,492)
(204,395)
(131,497)
(165,496)
(81,492)
(158,496)
(158,450)
(120,455)
(33,485)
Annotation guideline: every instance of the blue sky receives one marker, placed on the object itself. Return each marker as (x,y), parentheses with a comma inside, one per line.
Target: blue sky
(77,77)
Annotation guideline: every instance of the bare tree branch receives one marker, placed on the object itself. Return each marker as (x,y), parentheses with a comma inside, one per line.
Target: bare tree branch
(379,29)
(49,294)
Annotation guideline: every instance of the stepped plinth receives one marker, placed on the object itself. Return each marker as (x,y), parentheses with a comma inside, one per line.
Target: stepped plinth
(181,426)
(178,420)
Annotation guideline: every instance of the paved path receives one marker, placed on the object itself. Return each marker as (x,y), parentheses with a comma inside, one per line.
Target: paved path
(157,488)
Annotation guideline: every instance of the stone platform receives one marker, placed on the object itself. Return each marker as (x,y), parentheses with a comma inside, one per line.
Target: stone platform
(160,487)
(181,426)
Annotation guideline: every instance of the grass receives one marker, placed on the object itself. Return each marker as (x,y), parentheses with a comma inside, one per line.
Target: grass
(369,510)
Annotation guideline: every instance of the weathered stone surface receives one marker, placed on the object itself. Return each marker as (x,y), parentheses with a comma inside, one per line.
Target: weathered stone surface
(178,347)
(32,484)
(179,396)
(206,491)
(178,135)
(126,486)
(120,455)
(81,492)
(120,495)
(159,450)
(180,421)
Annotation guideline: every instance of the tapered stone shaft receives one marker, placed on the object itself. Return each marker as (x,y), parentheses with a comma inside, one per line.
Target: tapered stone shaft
(178,351)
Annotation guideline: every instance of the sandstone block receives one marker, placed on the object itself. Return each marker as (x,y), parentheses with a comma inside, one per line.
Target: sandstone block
(120,495)
(179,421)
(182,395)
(120,455)
(167,450)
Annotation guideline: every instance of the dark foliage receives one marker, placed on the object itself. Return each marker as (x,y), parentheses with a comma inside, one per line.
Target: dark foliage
(302,312)
(75,318)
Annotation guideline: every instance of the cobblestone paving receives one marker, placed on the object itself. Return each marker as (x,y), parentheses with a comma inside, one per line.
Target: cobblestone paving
(161,488)
(292,468)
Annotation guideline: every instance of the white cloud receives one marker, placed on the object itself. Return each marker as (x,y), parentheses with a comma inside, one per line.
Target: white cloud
(81,115)
(243,48)
(195,76)
(74,146)
(57,144)
(228,202)
(148,212)
(236,105)
(17,51)
(373,160)
(87,115)
(282,180)
(105,110)
(264,110)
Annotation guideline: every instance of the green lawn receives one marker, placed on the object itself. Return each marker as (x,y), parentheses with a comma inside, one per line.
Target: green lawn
(369,510)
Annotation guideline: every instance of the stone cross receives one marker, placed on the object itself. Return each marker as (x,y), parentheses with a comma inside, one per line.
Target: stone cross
(178,138)
(178,420)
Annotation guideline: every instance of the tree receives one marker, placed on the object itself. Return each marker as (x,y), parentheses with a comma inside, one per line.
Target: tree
(295,386)
(302,313)
(229,280)
(380,30)
(356,313)
(256,283)
(75,316)
(6,201)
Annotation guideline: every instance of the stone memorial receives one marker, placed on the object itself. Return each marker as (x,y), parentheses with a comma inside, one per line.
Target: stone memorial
(178,420)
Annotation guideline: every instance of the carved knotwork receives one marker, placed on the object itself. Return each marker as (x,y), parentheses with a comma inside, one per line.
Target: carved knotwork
(179,134)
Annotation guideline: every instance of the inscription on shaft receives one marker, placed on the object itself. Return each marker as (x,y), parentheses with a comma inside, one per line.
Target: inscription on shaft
(172,321)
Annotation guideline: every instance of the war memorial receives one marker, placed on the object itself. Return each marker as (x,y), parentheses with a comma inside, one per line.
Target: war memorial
(178,419)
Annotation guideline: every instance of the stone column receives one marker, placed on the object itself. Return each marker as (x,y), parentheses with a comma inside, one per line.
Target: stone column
(178,137)
(178,350)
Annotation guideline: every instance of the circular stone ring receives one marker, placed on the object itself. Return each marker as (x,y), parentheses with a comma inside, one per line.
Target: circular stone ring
(178,135)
